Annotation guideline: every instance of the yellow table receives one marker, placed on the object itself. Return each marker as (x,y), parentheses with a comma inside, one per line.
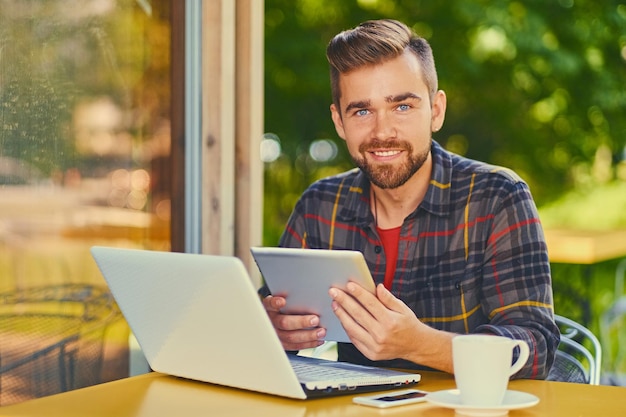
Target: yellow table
(157,395)
(585,247)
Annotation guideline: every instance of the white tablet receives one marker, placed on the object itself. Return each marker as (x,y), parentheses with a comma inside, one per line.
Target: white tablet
(304,276)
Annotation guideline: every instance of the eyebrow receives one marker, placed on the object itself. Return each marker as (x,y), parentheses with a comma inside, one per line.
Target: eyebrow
(389,99)
(358,105)
(402,97)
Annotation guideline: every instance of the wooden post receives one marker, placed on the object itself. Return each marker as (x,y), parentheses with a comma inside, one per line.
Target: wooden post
(249,130)
(232,127)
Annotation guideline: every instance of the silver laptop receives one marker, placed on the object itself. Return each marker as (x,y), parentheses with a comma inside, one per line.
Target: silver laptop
(199,317)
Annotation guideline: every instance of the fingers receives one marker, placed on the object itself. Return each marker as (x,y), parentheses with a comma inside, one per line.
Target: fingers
(298,332)
(294,331)
(380,325)
(389,300)
(353,308)
(355,298)
(272,303)
(376,313)
(281,321)
(301,339)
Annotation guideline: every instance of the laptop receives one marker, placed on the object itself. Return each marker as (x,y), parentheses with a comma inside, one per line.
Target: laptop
(199,317)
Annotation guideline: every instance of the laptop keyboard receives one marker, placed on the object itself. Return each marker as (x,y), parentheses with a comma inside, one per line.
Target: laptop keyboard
(309,369)
(317,375)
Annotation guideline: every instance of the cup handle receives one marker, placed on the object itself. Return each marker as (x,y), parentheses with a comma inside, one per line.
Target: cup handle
(524,352)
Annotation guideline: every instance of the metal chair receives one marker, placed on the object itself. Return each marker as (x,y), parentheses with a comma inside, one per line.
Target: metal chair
(574,361)
(51,339)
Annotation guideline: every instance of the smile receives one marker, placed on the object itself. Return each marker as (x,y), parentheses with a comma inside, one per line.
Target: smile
(386,153)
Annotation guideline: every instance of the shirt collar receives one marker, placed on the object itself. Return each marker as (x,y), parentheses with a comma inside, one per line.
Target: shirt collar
(357,207)
(437,198)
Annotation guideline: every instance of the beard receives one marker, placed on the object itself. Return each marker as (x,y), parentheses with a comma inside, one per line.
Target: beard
(390,176)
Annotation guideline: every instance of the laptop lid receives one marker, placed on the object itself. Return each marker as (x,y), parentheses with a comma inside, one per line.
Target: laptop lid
(198,317)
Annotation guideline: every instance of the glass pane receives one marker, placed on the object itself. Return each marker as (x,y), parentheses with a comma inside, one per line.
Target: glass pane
(84,160)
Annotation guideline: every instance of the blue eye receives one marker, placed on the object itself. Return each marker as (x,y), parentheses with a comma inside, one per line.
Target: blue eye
(361,112)
(404,107)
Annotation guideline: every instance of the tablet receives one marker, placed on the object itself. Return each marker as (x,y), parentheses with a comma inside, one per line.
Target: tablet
(304,276)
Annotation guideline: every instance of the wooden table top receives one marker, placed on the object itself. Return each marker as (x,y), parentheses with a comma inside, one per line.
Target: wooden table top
(155,395)
(585,247)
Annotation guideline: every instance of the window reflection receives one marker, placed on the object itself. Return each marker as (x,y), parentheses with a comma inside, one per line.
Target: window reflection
(84,160)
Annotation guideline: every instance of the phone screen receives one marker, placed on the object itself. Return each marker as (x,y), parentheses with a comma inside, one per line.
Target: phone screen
(409,396)
(405,396)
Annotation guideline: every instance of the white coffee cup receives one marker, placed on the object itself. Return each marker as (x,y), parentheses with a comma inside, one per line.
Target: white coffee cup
(482,367)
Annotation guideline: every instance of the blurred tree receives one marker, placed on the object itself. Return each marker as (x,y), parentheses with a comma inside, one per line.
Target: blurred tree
(537,86)
(46,70)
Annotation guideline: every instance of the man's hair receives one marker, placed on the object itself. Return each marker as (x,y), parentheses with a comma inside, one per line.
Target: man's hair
(375,42)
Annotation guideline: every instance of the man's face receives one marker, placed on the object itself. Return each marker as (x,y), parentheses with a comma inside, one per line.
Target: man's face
(387,120)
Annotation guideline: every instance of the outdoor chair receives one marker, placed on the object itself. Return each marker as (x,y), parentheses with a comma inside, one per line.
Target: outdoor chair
(579,355)
(51,339)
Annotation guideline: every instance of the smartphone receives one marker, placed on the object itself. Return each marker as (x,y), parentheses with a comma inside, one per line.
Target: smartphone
(392,399)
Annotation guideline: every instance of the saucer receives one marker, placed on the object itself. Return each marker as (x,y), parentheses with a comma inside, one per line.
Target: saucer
(512,401)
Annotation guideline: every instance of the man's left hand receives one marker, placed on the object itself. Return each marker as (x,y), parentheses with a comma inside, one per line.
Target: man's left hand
(380,325)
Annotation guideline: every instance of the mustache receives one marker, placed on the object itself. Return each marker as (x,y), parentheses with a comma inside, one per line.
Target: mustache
(378,144)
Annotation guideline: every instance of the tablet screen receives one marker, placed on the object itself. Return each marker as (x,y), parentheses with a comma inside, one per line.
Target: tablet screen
(304,276)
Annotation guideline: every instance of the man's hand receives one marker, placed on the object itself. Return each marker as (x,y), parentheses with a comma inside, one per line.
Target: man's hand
(294,331)
(383,327)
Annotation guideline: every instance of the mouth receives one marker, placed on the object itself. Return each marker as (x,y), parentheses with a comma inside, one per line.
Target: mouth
(385,153)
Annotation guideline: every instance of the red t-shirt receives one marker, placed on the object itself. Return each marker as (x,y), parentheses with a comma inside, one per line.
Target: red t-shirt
(390,239)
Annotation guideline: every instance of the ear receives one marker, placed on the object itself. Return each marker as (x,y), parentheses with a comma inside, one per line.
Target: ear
(438,111)
(338,121)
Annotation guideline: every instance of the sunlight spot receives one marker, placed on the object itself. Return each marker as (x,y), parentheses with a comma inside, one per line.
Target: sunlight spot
(492,41)
(547,109)
(550,41)
(596,117)
(367,3)
(544,110)
(602,164)
(323,150)
(270,148)
(594,58)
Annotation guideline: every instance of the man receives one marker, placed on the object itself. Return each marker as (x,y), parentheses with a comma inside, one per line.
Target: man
(454,245)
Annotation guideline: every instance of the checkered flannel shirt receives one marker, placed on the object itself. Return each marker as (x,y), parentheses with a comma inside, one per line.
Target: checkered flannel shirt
(472,257)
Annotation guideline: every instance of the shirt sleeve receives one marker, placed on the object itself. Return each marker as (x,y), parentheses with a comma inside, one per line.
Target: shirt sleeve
(517,287)
(295,234)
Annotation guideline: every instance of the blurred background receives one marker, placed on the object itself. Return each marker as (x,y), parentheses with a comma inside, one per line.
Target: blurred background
(537,86)
(86,137)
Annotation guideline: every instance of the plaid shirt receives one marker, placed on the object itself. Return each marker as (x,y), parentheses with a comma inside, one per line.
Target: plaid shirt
(471,258)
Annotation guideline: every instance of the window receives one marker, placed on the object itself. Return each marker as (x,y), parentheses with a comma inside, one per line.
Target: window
(85,144)
(93,134)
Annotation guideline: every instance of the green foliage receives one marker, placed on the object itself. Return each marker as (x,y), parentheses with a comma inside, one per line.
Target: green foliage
(35,114)
(537,86)
(594,208)
(51,62)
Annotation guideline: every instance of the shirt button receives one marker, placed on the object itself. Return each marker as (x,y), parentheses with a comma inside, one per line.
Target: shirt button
(378,249)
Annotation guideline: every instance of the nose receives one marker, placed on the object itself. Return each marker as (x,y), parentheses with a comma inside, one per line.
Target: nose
(384,127)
